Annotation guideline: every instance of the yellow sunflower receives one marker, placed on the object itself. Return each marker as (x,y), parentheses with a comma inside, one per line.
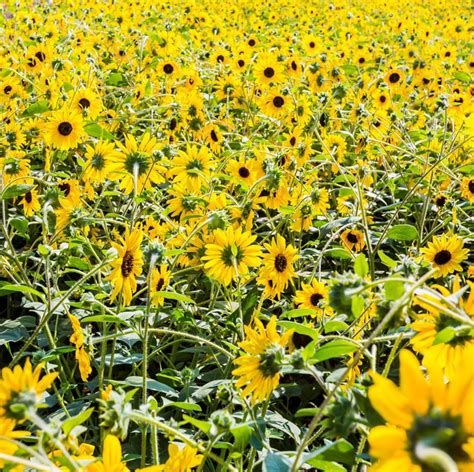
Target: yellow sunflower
(353,239)
(314,296)
(135,167)
(231,254)
(259,368)
(30,202)
(160,279)
(98,158)
(22,388)
(87,102)
(445,253)
(111,457)
(82,357)
(278,264)
(64,130)
(8,435)
(192,167)
(467,188)
(127,266)
(430,422)
(180,459)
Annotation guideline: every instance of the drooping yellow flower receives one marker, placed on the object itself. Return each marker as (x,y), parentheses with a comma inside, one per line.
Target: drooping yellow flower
(259,368)
(231,254)
(426,417)
(160,278)
(22,387)
(82,356)
(445,253)
(111,457)
(191,168)
(127,266)
(182,459)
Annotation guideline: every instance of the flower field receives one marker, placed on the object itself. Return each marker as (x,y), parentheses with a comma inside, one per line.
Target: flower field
(236,236)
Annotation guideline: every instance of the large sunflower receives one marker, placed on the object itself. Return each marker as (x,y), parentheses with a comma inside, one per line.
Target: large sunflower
(22,388)
(64,130)
(231,254)
(445,253)
(127,266)
(135,167)
(191,167)
(259,369)
(430,422)
(98,159)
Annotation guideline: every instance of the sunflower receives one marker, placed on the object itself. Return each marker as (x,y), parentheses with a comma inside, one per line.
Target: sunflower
(275,104)
(445,253)
(160,279)
(87,102)
(231,254)
(30,202)
(353,239)
(127,266)
(68,211)
(135,167)
(22,389)
(244,171)
(314,296)
(64,130)
(428,325)
(426,419)
(111,457)
(278,263)
(467,188)
(14,166)
(82,357)
(8,435)
(394,78)
(180,459)
(268,70)
(192,167)
(259,368)
(98,158)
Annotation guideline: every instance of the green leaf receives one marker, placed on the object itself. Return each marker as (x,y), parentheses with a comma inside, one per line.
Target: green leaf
(445,335)
(36,108)
(463,77)
(116,79)
(339,451)
(357,305)
(335,325)
(20,224)
(77,263)
(77,420)
(183,406)
(326,466)
(96,131)
(333,349)
(6,288)
(13,191)
(350,69)
(153,385)
(361,266)
(305,412)
(394,289)
(174,296)
(274,462)
(299,328)
(388,261)
(102,319)
(204,426)
(241,434)
(338,253)
(403,233)
(297,313)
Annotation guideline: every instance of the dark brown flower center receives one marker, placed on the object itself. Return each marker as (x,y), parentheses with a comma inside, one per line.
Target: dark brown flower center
(41,56)
(281,262)
(214,136)
(316,298)
(84,103)
(470,186)
(168,69)
(65,128)
(7,89)
(160,283)
(383,98)
(442,257)
(293,141)
(127,264)
(352,238)
(269,72)
(244,172)
(440,201)
(394,77)
(278,101)
(220,58)
(65,187)
(28,197)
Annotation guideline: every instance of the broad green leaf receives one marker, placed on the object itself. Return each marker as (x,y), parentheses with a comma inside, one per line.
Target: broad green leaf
(357,305)
(102,319)
(338,253)
(116,79)
(394,289)
(6,288)
(20,224)
(463,77)
(445,335)
(183,406)
(305,412)
(13,191)
(297,313)
(241,434)
(326,466)
(274,462)
(174,296)
(337,348)
(96,131)
(335,325)
(69,424)
(77,263)
(204,426)
(361,266)
(153,385)
(37,108)
(299,328)
(403,233)
(339,451)
(388,261)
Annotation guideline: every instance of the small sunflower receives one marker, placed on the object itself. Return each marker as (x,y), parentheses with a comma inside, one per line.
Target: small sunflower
(64,130)
(192,167)
(467,188)
(424,416)
(275,104)
(30,202)
(160,279)
(268,70)
(180,459)
(314,296)
(445,253)
(98,158)
(82,357)
(127,266)
(111,457)
(22,389)
(278,263)
(87,102)
(259,368)
(231,254)
(353,239)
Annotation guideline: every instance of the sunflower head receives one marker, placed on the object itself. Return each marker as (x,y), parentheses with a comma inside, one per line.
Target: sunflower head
(445,253)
